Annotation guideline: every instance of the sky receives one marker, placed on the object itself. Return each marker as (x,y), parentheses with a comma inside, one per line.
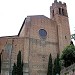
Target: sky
(13,13)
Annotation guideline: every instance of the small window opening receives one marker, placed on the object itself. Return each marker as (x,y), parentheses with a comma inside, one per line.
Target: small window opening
(65,37)
(43,56)
(59,10)
(53,12)
(62,11)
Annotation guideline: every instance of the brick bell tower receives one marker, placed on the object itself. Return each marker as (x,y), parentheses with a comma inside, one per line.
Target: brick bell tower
(58,13)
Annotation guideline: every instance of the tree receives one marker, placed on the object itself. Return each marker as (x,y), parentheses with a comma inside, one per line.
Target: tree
(19,64)
(68,55)
(18,69)
(54,67)
(14,71)
(22,67)
(57,67)
(50,65)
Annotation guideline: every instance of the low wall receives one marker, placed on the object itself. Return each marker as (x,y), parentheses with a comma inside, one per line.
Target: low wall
(69,70)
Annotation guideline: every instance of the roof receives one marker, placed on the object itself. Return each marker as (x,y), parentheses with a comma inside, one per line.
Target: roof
(21,27)
(37,16)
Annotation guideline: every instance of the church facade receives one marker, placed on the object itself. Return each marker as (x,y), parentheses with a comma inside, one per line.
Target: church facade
(38,37)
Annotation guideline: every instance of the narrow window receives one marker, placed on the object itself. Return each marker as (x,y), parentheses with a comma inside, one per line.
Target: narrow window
(65,37)
(59,10)
(53,12)
(62,11)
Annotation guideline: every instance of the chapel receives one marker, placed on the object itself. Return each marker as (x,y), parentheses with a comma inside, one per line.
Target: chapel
(38,37)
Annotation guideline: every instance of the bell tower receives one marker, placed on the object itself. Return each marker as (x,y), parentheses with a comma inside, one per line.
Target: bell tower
(58,13)
(58,8)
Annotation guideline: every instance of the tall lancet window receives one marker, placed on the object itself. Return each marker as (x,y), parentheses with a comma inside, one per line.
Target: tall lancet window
(62,11)
(59,10)
(8,49)
(53,12)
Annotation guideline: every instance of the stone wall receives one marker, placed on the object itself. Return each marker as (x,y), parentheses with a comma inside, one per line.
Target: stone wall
(69,70)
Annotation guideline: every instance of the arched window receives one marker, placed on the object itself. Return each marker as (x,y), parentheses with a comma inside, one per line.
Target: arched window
(59,10)
(62,11)
(0,62)
(53,12)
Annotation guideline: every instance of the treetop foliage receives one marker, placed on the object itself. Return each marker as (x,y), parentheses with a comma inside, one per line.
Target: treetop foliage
(50,65)
(57,66)
(68,55)
(18,68)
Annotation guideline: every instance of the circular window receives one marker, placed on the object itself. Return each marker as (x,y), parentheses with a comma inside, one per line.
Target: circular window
(42,33)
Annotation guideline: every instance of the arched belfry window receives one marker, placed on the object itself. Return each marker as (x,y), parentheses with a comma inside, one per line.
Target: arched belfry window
(59,10)
(53,12)
(62,11)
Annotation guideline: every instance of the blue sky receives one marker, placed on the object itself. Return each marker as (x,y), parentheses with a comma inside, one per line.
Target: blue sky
(13,13)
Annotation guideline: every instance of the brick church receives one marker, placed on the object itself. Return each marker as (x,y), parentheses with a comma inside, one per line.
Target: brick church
(38,37)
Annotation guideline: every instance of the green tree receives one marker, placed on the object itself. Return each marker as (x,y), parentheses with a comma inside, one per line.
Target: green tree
(57,67)
(18,69)
(68,55)
(19,64)
(50,65)
(14,71)
(54,67)
(22,67)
